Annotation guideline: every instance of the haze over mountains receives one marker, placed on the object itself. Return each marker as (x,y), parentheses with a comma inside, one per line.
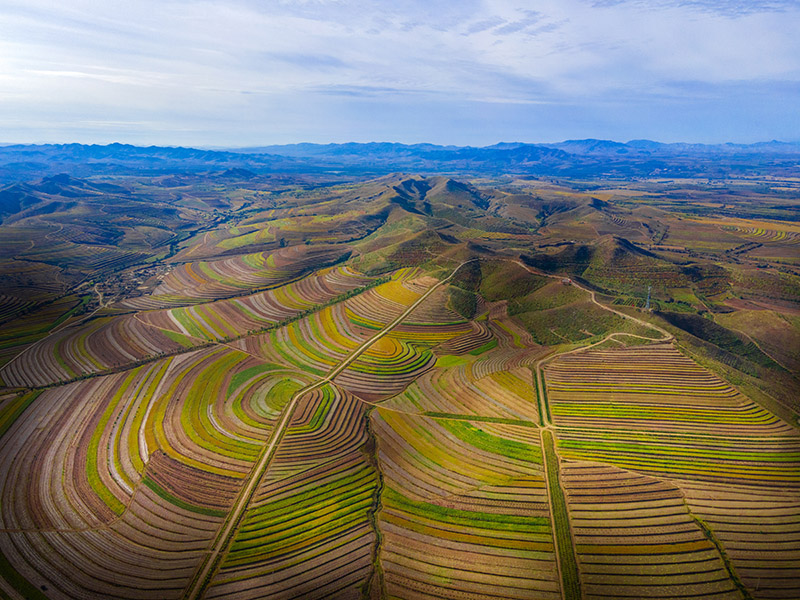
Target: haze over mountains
(571,158)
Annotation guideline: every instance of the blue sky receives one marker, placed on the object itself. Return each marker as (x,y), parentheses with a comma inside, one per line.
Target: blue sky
(467,72)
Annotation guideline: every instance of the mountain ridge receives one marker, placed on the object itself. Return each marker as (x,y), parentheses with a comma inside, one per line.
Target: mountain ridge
(571,158)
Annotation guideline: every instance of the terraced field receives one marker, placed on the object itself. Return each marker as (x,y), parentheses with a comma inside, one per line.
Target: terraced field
(99,345)
(764,231)
(356,391)
(440,492)
(132,512)
(464,510)
(636,537)
(201,281)
(678,485)
(308,531)
(113,342)
(36,323)
(239,316)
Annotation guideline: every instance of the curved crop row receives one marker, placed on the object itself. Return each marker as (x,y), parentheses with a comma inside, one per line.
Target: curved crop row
(635,538)
(115,486)
(765,235)
(211,280)
(12,305)
(327,424)
(171,424)
(235,317)
(323,339)
(36,323)
(456,390)
(509,333)
(758,528)
(113,342)
(220,409)
(650,388)
(307,533)
(434,309)
(73,522)
(150,553)
(397,359)
(515,345)
(84,257)
(377,307)
(464,510)
(313,344)
(99,345)
(478,336)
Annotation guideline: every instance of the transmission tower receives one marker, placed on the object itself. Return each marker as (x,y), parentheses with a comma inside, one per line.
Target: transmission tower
(647,306)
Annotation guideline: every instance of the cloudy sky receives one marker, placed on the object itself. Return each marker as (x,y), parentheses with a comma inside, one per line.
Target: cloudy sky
(256,72)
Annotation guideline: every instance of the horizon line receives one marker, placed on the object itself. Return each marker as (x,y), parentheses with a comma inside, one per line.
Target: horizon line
(222,148)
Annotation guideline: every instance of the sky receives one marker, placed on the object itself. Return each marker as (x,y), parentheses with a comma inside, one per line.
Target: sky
(465,72)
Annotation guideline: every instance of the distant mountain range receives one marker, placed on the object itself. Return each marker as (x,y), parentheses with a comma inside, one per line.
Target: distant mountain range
(572,158)
(577,147)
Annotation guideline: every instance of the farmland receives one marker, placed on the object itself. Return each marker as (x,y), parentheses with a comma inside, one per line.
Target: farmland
(400,387)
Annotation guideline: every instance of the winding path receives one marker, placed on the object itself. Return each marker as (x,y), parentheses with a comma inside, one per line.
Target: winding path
(666,336)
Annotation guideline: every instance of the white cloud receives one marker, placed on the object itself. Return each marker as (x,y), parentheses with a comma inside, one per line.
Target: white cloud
(221,63)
